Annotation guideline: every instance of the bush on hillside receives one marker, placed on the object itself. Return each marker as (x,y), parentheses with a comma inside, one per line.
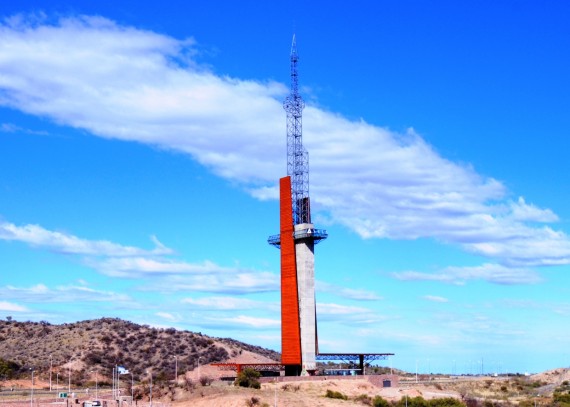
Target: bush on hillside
(335,395)
(8,369)
(379,402)
(248,377)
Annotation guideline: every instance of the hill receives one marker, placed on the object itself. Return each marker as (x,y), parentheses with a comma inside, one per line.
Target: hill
(99,345)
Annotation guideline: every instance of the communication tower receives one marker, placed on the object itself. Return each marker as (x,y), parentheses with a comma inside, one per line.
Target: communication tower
(296,241)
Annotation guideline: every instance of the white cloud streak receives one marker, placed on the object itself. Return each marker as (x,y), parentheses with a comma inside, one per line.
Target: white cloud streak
(70,293)
(11,307)
(348,293)
(254,322)
(238,283)
(37,236)
(435,298)
(493,273)
(116,260)
(129,84)
(227,304)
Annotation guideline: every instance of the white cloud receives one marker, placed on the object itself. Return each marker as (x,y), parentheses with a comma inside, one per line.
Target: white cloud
(348,293)
(11,307)
(135,267)
(116,260)
(347,314)
(240,282)
(68,293)
(493,273)
(253,321)
(435,298)
(521,211)
(12,128)
(227,303)
(168,316)
(37,236)
(337,309)
(129,84)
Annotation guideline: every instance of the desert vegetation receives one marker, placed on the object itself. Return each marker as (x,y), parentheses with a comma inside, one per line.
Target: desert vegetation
(100,345)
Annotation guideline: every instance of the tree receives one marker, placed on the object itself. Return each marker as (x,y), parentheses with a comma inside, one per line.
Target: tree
(8,369)
(379,402)
(412,402)
(446,402)
(248,377)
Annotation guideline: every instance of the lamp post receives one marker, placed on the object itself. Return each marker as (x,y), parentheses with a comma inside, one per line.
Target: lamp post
(150,397)
(199,371)
(32,396)
(96,385)
(416,370)
(57,381)
(69,378)
(132,388)
(175,368)
(275,394)
(50,369)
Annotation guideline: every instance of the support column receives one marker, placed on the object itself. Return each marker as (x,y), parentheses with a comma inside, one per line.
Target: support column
(304,249)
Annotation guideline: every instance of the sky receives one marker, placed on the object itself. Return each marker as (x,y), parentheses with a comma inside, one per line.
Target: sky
(141,145)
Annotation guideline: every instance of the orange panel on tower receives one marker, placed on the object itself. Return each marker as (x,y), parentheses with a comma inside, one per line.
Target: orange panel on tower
(291,333)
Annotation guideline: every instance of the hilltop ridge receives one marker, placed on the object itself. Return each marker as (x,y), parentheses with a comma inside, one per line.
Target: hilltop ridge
(100,344)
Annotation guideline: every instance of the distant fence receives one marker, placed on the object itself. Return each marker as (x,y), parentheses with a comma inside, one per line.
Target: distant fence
(44,402)
(377,380)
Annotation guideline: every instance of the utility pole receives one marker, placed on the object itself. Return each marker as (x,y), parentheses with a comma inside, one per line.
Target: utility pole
(50,369)
(96,385)
(32,396)
(150,398)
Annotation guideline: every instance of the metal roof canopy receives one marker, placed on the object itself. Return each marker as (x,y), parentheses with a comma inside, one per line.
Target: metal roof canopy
(353,357)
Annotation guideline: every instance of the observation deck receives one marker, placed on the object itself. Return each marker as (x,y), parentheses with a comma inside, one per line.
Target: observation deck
(317,235)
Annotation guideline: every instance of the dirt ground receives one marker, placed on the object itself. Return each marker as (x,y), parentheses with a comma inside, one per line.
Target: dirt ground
(312,393)
(302,394)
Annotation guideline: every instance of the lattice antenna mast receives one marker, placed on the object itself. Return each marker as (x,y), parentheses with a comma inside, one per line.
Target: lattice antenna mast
(297,156)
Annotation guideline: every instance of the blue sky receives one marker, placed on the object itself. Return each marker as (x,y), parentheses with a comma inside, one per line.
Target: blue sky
(141,145)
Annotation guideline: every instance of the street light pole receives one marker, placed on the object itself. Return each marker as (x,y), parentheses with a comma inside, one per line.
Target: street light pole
(57,381)
(96,385)
(32,396)
(199,371)
(275,394)
(150,389)
(175,369)
(50,369)
(69,378)
(416,370)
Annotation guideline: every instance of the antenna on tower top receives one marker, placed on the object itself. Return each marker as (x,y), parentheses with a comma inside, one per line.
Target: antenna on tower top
(297,156)
(294,46)
(297,163)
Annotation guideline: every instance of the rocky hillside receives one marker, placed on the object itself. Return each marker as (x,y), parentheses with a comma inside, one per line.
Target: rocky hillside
(98,345)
